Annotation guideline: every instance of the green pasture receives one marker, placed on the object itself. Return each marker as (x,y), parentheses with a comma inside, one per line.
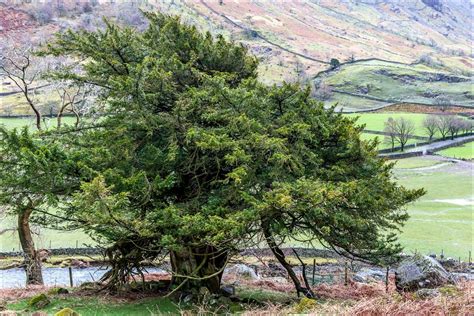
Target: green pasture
(465,151)
(376,121)
(397,83)
(416,162)
(383,144)
(50,122)
(92,306)
(441,219)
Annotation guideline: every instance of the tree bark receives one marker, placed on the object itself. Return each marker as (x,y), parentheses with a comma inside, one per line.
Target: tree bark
(194,268)
(32,260)
(281,258)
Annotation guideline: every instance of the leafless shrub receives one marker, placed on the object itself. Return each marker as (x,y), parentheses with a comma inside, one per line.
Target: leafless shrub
(323,92)
(443,102)
(430,124)
(399,130)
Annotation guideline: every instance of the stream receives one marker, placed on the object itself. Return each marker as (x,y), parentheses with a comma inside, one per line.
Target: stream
(16,278)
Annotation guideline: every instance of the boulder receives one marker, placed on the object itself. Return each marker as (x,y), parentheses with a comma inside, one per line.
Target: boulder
(420,272)
(228,290)
(366,275)
(39,301)
(242,270)
(462,276)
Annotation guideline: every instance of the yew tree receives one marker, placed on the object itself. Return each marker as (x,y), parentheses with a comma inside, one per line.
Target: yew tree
(195,158)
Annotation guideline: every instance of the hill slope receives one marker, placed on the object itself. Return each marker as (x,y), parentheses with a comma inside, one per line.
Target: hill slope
(296,40)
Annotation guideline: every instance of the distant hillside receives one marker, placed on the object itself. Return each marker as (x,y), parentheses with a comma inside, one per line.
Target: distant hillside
(296,41)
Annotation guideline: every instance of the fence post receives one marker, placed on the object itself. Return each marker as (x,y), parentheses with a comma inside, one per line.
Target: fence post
(442,254)
(50,245)
(77,244)
(386,279)
(469,257)
(70,277)
(314,269)
(345,274)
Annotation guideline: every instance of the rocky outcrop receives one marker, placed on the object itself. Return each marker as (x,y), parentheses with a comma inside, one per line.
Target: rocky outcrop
(420,272)
(242,270)
(366,275)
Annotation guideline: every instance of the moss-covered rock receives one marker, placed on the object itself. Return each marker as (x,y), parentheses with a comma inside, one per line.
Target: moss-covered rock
(67,312)
(39,301)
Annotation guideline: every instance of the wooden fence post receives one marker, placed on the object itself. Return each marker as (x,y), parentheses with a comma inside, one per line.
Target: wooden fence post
(386,279)
(314,269)
(346,281)
(70,277)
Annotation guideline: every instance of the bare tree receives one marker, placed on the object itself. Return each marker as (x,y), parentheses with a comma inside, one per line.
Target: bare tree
(466,126)
(455,126)
(71,98)
(323,92)
(430,124)
(442,102)
(18,67)
(444,121)
(404,129)
(390,132)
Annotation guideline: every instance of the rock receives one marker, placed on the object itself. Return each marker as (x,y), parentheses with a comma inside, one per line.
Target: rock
(67,312)
(427,293)
(420,272)
(366,275)
(58,290)
(228,290)
(462,276)
(39,301)
(243,271)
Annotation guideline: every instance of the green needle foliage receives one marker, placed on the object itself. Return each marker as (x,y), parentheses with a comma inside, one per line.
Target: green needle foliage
(194,157)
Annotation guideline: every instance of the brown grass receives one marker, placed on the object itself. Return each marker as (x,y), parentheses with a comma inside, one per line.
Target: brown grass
(371,299)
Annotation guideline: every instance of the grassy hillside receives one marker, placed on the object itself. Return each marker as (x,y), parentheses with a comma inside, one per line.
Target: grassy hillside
(376,83)
(295,40)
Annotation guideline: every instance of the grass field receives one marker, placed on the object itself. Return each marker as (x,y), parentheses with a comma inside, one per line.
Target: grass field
(397,83)
(382,143)
(376,121)
(442,219)
(30,122)
(415,162)
(465,151)
(89,306)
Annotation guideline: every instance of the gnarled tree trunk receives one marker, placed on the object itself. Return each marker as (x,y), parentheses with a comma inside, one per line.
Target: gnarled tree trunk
(281,258)
(194,268)
(32,260)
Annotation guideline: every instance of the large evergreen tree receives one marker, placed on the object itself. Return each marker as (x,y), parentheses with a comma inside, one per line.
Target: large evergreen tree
(193,156)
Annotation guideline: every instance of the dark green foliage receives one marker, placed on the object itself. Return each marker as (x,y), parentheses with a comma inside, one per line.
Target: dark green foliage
(334,63)
(194,156)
